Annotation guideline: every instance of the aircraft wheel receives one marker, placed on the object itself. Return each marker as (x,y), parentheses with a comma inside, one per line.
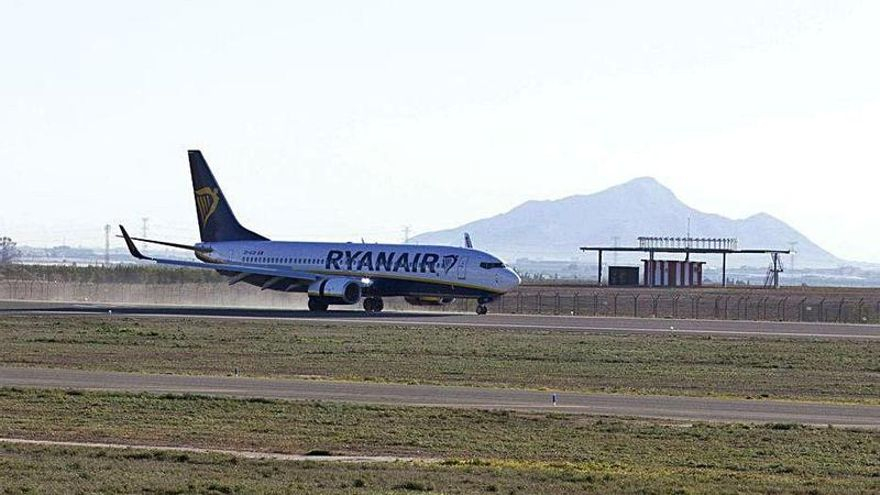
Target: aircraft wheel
(316,305)
(482,309)
(373,305)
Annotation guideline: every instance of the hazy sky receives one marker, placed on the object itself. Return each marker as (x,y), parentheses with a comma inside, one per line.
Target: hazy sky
(337,120)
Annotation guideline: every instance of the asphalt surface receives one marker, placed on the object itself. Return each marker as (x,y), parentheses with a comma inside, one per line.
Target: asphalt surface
(671,408)
(536,322)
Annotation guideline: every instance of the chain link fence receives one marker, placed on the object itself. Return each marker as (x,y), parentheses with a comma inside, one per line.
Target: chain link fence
(760,305)
(666,304)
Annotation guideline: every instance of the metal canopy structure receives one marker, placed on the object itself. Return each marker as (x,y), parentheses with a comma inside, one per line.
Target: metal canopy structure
(687,246)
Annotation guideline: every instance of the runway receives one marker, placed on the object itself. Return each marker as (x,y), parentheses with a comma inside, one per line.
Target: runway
(583,324)
(658,407)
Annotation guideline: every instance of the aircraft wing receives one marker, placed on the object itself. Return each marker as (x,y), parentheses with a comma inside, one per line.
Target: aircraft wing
(280,272)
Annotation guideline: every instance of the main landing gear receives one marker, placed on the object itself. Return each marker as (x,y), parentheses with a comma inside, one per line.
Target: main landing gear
(317,305)
(373,304)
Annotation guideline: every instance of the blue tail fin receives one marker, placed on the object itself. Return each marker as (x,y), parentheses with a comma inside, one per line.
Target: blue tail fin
(216,221)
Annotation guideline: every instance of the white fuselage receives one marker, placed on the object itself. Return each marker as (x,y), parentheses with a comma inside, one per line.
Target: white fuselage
(381,269)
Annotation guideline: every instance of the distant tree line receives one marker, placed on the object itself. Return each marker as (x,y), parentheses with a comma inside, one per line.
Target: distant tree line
(134,274)
(8,251)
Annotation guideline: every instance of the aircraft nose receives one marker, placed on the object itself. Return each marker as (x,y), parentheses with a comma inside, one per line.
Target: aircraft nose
(511,279)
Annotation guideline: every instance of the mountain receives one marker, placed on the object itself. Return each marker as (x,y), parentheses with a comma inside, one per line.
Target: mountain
(553,230)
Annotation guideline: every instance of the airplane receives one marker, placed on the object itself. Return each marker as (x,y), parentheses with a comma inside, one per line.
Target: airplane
(332,273)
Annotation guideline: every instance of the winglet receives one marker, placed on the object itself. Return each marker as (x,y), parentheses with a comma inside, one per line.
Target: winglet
(131,247)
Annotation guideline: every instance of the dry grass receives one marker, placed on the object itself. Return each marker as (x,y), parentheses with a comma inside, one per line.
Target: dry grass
(835,370)
(512,452)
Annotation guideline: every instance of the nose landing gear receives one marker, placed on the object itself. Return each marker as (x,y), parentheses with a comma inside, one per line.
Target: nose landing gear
(481,305)
(373,304)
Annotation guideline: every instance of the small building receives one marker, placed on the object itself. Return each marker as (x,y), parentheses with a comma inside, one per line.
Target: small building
(673,273)
(663,273)
(623,276)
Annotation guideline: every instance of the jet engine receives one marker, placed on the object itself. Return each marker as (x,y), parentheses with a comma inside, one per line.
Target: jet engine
(336,290)
(429,301)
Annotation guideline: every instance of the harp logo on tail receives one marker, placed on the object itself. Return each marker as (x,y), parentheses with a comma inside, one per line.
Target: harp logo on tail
(207,200)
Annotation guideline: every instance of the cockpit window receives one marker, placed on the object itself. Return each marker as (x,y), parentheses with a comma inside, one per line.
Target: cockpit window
(490,265)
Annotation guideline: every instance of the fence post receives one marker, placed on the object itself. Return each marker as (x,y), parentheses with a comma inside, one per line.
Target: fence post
(636,306)
(840,310)
(655,302)
(557,303)
(764,307)
(616,295)
(540,302)
(595,304)
(861,303)
(822,310)
(675,298)
(574,304)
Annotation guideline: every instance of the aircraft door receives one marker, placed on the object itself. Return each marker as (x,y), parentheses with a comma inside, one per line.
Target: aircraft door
(462,268)
(235,255)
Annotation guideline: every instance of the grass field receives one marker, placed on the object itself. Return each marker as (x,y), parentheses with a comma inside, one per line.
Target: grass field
(834,370)
(481,451)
